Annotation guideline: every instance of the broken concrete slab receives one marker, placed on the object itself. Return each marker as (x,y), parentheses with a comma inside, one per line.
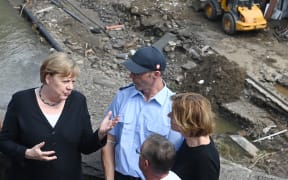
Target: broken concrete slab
(245,144)
(250,114)
(164,40)
(189,65)
(268,94)
(232,171)
(150,20)
(194,53)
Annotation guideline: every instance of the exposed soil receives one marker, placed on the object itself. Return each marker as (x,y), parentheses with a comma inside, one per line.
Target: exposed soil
(201,58)
(217,78)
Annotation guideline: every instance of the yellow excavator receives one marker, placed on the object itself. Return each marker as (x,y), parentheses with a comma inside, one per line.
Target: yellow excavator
(237,15)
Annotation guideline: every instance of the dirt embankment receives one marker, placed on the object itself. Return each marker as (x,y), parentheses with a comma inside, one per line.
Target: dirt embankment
(200,57)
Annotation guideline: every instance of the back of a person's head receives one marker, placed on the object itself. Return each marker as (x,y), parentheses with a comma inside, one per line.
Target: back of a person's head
(192,114)
(159,152)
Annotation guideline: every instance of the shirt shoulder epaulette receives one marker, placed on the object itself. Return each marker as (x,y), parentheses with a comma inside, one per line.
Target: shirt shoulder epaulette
(125,87)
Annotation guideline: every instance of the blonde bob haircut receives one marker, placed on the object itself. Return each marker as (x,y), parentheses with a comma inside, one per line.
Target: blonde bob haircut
(192,114)
(58,63)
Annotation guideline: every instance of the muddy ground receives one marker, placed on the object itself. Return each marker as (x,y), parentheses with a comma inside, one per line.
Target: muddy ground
(200,57)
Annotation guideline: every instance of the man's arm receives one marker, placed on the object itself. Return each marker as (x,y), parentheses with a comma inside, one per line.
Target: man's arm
(107,153)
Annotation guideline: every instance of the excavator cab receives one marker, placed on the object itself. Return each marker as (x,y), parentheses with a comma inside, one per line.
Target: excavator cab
(237,15)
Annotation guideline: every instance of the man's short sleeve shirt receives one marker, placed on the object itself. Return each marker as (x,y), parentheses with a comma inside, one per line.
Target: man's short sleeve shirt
(138,120)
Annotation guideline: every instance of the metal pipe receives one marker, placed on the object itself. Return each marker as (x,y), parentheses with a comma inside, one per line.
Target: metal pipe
(40,28)
(59,5)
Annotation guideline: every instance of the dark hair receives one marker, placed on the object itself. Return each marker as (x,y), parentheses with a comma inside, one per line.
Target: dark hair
(159,152)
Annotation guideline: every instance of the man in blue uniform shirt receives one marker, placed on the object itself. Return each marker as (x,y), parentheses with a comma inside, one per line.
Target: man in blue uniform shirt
(143,107)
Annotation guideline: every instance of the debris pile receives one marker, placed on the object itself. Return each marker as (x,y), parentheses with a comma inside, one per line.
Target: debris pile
(217,78)
(281,33)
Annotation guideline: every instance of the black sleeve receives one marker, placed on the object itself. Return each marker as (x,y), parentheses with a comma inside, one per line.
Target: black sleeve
(10,132)
(89,141)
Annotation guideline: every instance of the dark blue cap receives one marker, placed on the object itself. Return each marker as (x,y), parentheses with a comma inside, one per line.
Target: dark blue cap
(146,59)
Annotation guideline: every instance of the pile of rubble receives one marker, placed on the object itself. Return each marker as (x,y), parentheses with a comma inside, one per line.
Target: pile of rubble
(281,33)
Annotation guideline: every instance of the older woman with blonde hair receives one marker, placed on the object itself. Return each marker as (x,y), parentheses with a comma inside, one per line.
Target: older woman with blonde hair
(197,157)
(46,128)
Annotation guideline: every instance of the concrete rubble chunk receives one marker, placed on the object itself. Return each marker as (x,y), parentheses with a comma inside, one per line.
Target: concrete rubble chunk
(232,171)
(164,40)
(189,65)
(283,80)
(245,144)
(152,20)
(249,113)
(195,54)
(268,94)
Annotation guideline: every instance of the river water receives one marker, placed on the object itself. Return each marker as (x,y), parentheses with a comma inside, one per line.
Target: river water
(21,53)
